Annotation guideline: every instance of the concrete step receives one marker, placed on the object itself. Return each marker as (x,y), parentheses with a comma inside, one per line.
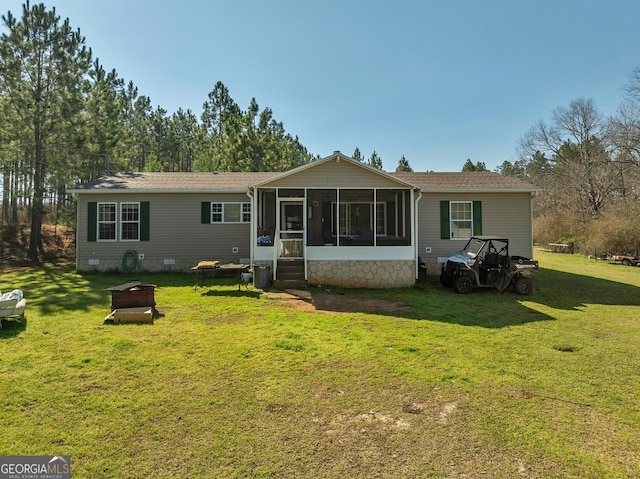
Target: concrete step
(289,284)
(290,274)
(290,271)
(291,264)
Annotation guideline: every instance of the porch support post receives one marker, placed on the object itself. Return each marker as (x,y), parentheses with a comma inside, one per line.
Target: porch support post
(253,194)
(305,232)
(414,227)
(337,213)
(375,217)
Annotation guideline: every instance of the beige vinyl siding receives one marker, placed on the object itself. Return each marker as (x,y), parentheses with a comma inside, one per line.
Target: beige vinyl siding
(334,174)
(503,214)
(175,232)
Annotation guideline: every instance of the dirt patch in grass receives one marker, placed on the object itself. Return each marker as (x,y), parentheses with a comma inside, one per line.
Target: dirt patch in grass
(338,303)
(350,304)
(389,433)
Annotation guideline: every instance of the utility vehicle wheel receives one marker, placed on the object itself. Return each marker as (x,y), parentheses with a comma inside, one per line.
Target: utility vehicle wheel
(445,281)
(626,262)
(523,286)
(463,285)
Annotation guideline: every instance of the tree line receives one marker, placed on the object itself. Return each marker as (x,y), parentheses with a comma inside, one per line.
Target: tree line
(588,166)
(66,119)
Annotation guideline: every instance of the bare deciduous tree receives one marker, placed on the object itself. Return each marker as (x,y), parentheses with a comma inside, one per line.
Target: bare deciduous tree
(624,126)
(575,141)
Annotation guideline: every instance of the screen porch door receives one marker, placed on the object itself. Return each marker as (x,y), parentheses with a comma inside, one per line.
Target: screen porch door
(291,228)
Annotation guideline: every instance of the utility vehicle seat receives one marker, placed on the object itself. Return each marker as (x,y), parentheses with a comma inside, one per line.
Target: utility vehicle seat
(492,260)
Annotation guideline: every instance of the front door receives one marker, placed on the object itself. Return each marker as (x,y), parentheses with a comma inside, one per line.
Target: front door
(291,228)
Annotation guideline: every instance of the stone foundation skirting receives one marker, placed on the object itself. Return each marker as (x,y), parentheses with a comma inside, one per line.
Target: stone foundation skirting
(362,274)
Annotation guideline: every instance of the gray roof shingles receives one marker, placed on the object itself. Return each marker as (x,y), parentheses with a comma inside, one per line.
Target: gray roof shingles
(174,181)
(238,181)
(466,180)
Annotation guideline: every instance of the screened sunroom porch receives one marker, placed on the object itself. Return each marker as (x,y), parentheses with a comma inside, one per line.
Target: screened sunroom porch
(288,221)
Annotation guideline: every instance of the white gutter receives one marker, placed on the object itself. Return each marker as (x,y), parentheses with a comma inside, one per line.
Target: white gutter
(480,190)
(121,191)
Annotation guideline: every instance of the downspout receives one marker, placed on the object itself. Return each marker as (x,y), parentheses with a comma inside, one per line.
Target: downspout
(533,193)
(74,196)
(415,232)
(305,229)
(254,226)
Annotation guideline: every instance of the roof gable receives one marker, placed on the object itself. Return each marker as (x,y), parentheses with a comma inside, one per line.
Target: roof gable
(336,170)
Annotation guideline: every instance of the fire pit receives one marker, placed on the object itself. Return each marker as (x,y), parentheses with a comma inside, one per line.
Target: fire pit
(132,295)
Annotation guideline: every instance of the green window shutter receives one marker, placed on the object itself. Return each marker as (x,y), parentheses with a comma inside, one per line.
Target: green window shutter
(205,212)
(92,221)
(477,217)
(144,221)
(445,224)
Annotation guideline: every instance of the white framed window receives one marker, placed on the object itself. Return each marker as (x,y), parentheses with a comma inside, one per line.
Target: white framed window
(246,212)
(230,212)
(129,221)
(107,221)
(216,212)
(461,218)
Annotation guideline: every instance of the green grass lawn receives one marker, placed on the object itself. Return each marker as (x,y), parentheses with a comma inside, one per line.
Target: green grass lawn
(230,383)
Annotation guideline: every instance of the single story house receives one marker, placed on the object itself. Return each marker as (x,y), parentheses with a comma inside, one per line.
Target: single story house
(344,222)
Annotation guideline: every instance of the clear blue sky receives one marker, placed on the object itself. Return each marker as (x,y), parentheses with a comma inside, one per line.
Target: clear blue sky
(436,81)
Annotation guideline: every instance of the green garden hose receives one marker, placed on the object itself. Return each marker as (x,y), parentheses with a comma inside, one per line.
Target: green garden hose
(130,262)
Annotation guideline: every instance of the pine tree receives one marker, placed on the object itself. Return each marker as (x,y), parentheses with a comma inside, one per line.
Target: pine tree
(42,64)
(403,165)
(104,126)
(375,160)
(220,117)
(469,166)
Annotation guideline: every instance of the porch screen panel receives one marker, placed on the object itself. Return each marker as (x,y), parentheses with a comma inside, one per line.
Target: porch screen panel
(356,217)
(320,216)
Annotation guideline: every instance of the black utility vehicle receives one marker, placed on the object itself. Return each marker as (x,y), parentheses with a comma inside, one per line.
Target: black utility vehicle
(485,262)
